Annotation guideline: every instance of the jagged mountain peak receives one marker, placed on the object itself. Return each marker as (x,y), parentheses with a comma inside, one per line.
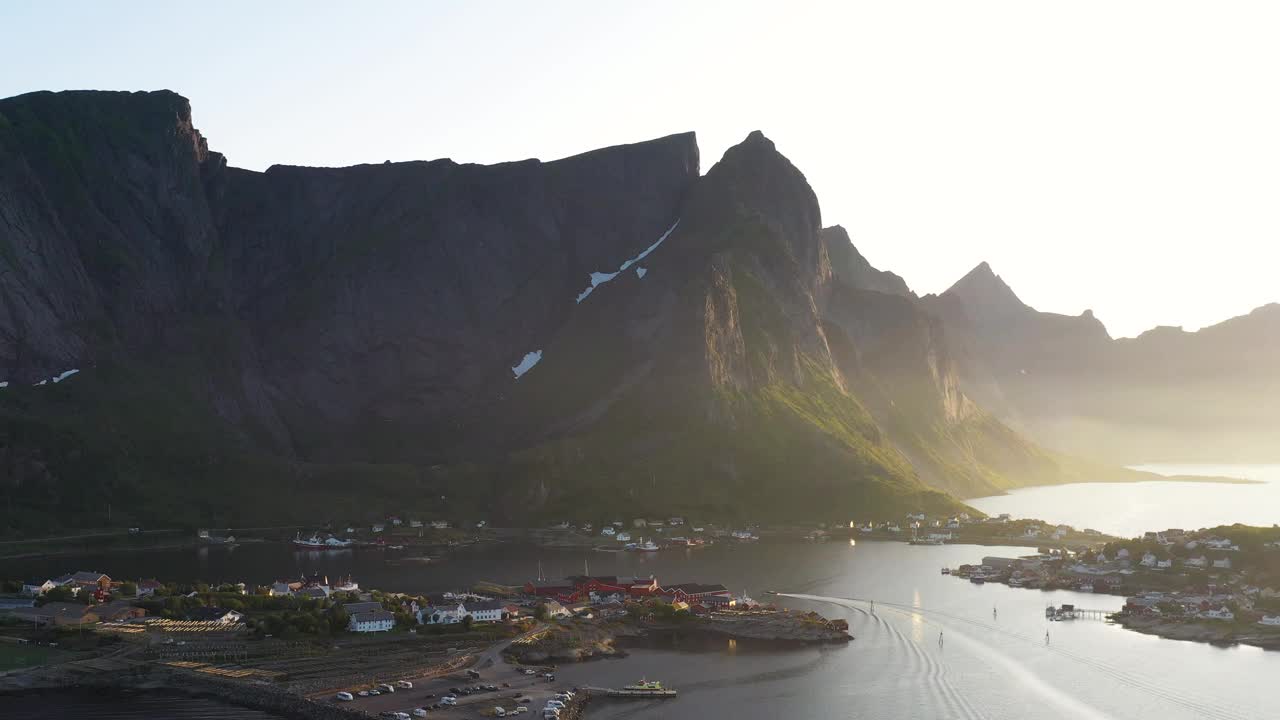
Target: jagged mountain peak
(850,267)
(983,292)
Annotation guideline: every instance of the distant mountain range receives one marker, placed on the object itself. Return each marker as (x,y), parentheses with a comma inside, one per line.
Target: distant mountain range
(609,332)
(1166,395)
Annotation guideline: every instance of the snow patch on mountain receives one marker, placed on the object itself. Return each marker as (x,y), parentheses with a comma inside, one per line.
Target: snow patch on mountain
(599,278)
(640,272)
(530,359)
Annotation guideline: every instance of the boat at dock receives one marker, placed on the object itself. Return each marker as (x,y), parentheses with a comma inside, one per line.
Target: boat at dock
(312,543)
(642,689)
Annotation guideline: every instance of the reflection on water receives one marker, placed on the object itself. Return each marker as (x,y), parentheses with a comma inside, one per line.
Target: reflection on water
(1130,509)
(991,666)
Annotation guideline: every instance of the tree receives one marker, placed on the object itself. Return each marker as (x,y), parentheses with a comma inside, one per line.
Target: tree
(338,619)
(128,589)
(60,594)
(466,623)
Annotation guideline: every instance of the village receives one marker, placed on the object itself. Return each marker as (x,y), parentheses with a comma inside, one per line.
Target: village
(1217,585)
(316,642)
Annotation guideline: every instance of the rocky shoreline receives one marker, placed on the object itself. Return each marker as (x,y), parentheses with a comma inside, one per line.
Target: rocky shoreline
(1209,631)
(583,640)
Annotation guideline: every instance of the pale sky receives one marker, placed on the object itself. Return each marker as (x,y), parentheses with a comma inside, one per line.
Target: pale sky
(1119,156)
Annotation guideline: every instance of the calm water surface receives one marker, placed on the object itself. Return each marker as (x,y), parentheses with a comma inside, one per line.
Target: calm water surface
(986,667)
(993,665)
(1130,509)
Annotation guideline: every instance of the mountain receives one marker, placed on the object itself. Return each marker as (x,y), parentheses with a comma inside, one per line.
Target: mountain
(1170,395)
(523,340)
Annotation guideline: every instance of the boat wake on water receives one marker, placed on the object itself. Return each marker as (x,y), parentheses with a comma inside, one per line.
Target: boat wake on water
(1204,708)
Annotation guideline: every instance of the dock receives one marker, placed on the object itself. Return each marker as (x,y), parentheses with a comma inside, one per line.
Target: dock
(1071,612)
(615,693)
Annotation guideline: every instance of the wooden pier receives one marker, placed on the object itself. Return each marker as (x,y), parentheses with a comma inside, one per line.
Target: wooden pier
(1074,613)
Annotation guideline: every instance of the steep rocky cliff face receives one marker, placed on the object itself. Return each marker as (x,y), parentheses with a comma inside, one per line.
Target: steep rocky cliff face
(523,340)
(105,230)
(905,366)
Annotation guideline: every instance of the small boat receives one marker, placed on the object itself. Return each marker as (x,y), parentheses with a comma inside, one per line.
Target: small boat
(977,579)
(946,571)
(312,543)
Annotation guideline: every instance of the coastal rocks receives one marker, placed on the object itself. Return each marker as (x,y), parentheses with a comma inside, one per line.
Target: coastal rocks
(582,640)
(780,626)
(1210,631)
(571,642)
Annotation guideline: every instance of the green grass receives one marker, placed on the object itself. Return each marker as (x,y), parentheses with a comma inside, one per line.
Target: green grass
(14,656)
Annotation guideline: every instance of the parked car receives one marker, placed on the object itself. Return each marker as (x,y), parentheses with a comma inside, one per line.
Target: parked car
(345,696)
(404,684)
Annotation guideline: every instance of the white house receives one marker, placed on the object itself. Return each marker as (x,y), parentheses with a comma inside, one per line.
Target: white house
(485,611)
(379,527)
(1164,564)
(555,610)
(608,531)
(282,588)
(1224,563)
(441,614)
(1196,562)
(415,523)
(36,588)
(1148,560)
(439,524)
(1272,620)
(675,521)
(1122,554)
(373,621)
(396,521)
(624,537)
(1221,613)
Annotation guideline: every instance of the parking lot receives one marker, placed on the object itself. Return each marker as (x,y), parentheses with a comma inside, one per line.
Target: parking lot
(512,688)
